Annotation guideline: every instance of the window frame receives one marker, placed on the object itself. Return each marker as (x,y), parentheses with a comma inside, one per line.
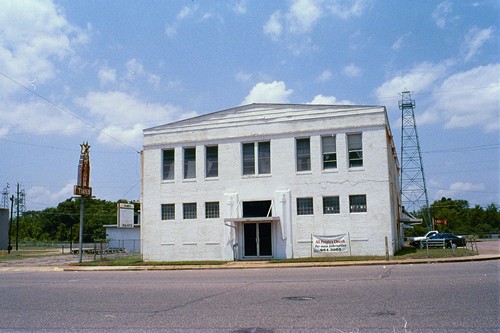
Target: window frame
(187,172)
(355,154)
(302,158)
(305,206)
(170,175)
(331,208)
(327,163)
(358,207)
(211,166)
(189,211)
(167,215)
(257,160)
(212,210)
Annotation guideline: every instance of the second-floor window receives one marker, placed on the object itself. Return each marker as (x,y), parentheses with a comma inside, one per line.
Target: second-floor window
(211,161)
(303,154)
(263,162)
(355,150)
(329,150)
(168,164)
(189,211)
(189,163)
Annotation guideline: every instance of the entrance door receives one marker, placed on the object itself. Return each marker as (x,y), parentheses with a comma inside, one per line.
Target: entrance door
(258,239)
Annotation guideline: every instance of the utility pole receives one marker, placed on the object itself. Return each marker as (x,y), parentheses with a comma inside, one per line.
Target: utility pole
(413,189)
(17,218)
(11,220)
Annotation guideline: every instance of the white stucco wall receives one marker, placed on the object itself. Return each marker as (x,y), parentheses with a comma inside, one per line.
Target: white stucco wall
(206,239)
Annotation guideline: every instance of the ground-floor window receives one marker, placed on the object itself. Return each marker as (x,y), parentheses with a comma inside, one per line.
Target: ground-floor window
(331,205)
(305,206)
(357,203)
(212,210)
(168,212)
(189,210)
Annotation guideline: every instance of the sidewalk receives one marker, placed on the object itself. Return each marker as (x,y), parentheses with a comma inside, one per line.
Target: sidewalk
(66,264)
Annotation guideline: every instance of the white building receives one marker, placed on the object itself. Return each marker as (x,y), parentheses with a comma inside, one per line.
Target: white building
(258,181)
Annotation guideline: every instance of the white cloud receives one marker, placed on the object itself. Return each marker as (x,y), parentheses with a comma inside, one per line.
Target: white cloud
(37,117)
(346,10)
(123,116)
(442,14)
(329,100)
(397,44)
(470,98)
(35,35)
(240,7)
(273,26)
(474,39)
(302,16)
(325,76)
(187,11)
(170,30)
(106,75)
(274,92)
(243,76)
(352,70)
(457,189)
(44,196)
(419,78)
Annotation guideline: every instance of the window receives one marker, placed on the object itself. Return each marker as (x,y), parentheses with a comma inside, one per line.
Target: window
(212,210)
(168,212)
(355,147)
(248,159)
(212,161)
(263,158)
(303,154)
(357,203)
(189,211)
(329,149)
(305,206)
(168,164)
(189,163)
(331,205)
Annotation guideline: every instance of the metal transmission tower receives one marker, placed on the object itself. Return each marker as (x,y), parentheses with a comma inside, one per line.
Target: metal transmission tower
(413,189)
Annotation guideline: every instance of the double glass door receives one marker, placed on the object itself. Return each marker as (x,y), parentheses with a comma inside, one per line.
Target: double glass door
(258,240)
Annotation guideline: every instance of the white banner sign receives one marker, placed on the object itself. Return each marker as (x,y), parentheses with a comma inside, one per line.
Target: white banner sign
(125,215)
(337,243)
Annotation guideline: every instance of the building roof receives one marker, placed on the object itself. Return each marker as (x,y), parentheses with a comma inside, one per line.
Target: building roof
(269,118)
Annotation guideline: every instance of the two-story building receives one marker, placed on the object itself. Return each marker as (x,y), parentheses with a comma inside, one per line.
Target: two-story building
(264,180)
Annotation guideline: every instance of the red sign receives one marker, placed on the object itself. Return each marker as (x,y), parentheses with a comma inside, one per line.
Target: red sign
(83,185)
(440,221)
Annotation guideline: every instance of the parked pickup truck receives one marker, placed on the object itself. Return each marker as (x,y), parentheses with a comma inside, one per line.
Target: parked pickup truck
(427,235)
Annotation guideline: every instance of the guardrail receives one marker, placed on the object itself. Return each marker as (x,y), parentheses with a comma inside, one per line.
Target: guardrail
(433,243)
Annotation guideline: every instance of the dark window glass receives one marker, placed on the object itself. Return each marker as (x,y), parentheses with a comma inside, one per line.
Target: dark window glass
(212,161)
(303,154)
(331,205)
(329,148)
(264,157)
(189,210)
(305,206)
(357,203)
(189,163)
(168,212)
(168,164)
(248,159)
(355,147)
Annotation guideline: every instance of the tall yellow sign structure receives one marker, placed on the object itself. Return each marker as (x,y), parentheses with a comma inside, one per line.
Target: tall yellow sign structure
(83,185)
(83,188)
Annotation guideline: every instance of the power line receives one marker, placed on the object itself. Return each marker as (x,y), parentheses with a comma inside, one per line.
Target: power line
(68,112)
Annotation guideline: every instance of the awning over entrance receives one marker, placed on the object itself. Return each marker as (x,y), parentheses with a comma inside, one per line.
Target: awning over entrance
(252,219)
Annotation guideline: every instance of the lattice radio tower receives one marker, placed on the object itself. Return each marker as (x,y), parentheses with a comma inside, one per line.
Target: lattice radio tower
(413,189)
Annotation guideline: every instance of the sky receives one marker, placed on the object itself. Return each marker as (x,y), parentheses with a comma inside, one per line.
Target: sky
(102,71)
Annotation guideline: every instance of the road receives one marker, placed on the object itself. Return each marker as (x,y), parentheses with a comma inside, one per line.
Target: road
(446,297)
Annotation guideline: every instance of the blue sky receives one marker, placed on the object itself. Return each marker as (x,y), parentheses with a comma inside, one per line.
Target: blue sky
(102,71)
